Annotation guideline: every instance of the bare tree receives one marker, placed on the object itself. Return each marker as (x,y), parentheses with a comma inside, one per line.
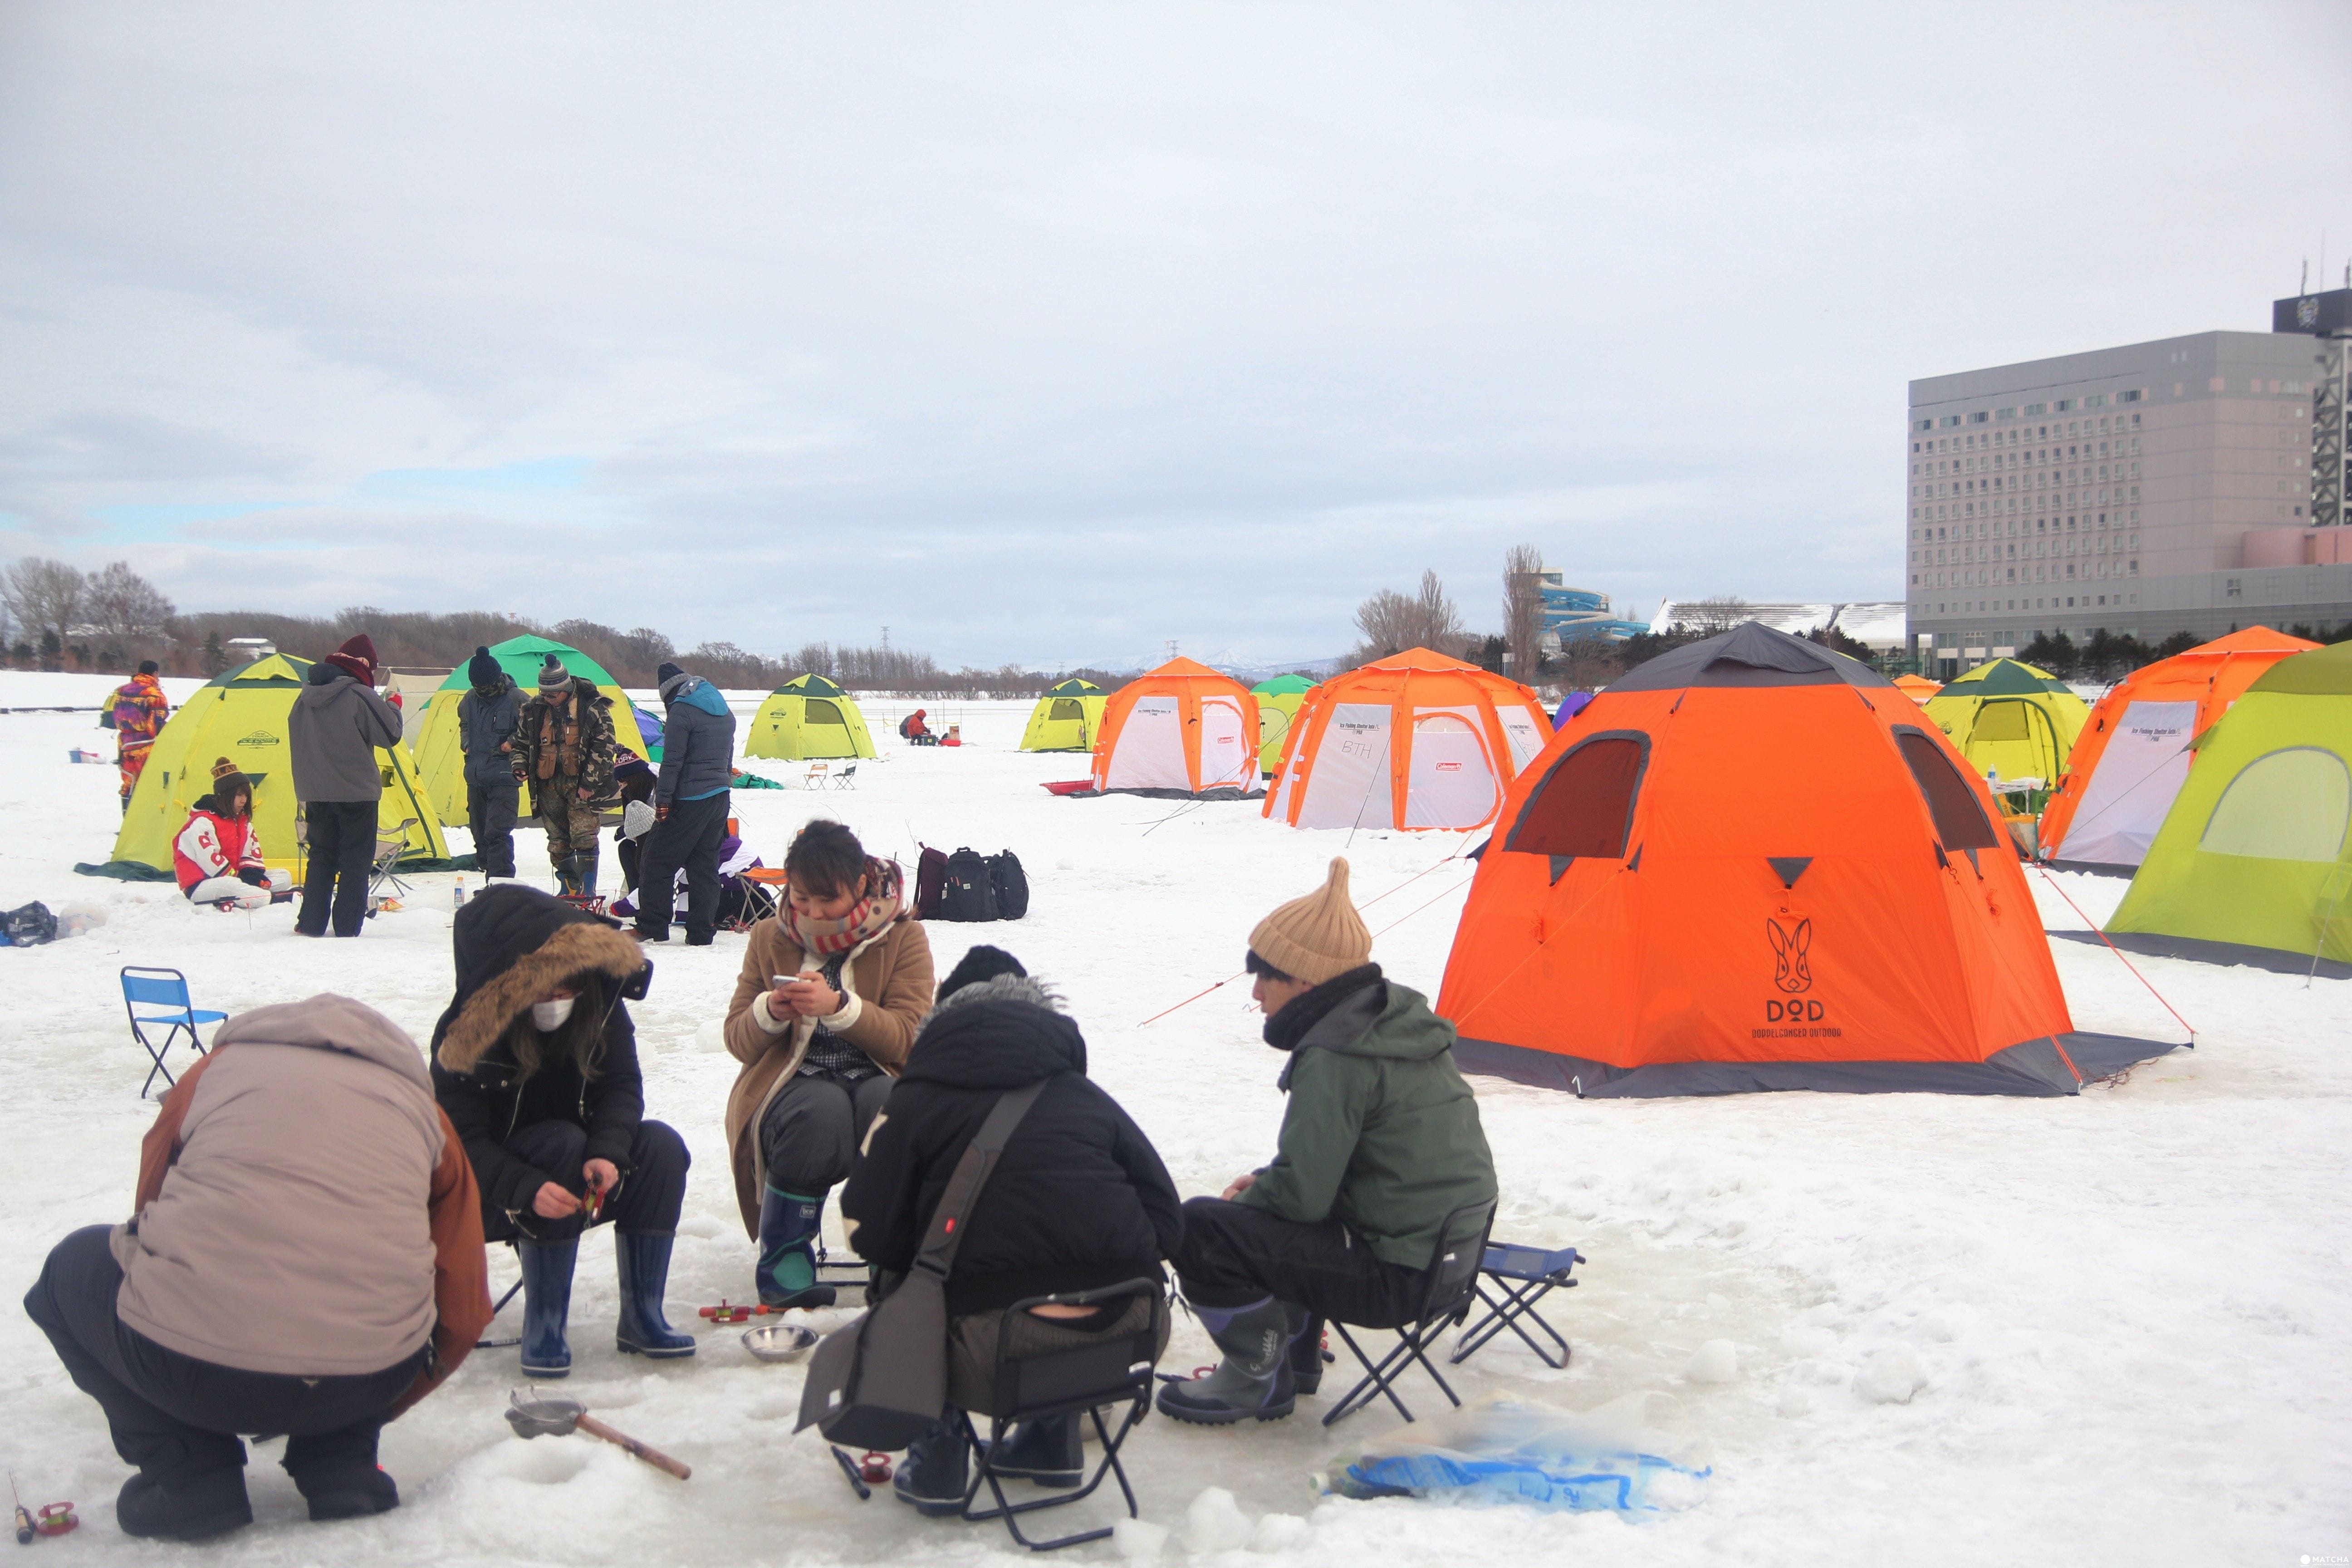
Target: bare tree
(1710,616)
(1392,622)
(121,603)
(46,595)
(1523,609)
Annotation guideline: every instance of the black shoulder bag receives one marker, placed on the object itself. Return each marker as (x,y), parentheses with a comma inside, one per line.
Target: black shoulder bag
(880,1381)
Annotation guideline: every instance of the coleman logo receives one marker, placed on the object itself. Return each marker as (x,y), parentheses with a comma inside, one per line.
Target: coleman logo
(259,738)
(1790,945)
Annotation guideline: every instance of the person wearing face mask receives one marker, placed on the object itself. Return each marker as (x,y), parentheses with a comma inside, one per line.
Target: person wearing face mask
(832,989)
(535,1060)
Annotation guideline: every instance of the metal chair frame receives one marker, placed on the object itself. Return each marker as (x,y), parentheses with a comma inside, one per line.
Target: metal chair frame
(1525,1275)
(1452,1284)
(142,991)
(383,870)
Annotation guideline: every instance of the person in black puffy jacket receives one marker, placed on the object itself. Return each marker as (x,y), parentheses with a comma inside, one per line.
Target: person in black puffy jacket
(1079,1200)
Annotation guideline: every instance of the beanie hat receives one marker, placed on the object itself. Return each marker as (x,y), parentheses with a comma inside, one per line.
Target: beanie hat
(553,678)
(228,781)
(982,963)
(668,679)
(482,671)
(356,659)
(1317,938)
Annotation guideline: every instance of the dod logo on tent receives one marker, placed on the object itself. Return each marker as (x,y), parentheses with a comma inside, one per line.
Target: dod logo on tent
(1750,864)
(2132,758)
(240,714)
(808,717)
(1183,730)
(1416,739)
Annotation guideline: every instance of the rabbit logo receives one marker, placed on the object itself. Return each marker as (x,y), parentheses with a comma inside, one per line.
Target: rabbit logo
(1790,945)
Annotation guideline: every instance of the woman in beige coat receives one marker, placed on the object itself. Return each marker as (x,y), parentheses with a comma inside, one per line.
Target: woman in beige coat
(832,990)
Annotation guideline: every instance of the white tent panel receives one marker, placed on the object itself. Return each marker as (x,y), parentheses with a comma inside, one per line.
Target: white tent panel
(1449,777)
(1150,753)
(1526,736)
(2144,765)
(1349,785)
(1228,754)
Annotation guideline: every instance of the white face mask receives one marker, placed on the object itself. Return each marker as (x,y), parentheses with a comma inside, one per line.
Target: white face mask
(549,1015)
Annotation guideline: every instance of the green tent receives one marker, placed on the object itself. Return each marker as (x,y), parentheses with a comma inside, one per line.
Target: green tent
(441,763)
(2250,864)
(1279,703)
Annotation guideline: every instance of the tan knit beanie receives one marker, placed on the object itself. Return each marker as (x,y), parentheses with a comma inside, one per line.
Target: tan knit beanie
(1317,938)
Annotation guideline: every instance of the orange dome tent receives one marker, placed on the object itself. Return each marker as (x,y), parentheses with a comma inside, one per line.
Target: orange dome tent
(1917,687)
(1752,864)
(1182,729)
(1416,739)
(2133,755)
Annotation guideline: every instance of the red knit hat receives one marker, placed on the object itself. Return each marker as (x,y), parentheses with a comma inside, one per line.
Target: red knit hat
(356,659)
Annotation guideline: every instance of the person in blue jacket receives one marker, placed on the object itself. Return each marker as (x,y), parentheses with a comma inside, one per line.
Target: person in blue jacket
(691,804)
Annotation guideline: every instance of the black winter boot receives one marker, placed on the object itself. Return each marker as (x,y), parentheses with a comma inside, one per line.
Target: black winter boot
(645,1271)
(173,1506)
(1253,1382)
(336,1472)
(1305,1349)
(1051,1453)
(935,1476)
(546,1305)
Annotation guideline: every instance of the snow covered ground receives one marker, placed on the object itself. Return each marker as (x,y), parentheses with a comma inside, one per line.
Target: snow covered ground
(2122,1317)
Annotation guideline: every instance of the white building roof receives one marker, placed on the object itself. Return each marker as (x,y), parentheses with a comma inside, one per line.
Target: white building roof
(1877,625)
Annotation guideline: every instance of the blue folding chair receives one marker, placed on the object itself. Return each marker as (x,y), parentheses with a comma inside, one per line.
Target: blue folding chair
(145,987)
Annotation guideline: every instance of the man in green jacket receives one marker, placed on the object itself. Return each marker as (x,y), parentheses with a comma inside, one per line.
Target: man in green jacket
(1380,1143)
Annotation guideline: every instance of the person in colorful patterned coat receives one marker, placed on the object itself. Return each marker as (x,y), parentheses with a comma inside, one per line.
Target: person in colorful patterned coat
(136,711)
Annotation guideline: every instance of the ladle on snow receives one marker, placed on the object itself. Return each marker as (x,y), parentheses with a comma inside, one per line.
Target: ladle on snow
(539,1416)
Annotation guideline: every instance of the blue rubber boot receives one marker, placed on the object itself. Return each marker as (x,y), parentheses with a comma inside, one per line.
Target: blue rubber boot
(546,1305)
(1254,1382)
(787,1273)
(645,1270)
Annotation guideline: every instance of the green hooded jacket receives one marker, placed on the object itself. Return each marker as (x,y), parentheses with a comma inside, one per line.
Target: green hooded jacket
(1381,1132)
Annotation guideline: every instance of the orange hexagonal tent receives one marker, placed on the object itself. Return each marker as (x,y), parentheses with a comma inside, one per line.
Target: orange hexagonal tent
(1752,864)
(2134,755)
(1414,740)
(1183,730)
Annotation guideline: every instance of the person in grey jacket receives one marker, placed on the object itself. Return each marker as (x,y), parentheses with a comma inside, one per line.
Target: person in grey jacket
(690,802)
(487,717)
(338,724)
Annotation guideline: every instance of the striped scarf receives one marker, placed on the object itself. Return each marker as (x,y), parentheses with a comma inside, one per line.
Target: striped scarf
(867,918)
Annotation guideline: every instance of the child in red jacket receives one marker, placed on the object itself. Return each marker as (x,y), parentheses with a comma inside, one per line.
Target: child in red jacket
(217,855)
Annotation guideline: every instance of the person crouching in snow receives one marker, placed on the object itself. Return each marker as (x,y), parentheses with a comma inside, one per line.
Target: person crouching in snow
(535,1060)
(217,858)
(304,1256)
(1381,1141)
(1078,1201)
(832,987)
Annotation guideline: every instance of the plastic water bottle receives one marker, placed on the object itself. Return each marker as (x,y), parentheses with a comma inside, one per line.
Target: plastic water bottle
(458,900)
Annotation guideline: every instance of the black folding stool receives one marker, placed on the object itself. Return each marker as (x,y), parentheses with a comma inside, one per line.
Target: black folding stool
(1525,1275)
(1451,1278)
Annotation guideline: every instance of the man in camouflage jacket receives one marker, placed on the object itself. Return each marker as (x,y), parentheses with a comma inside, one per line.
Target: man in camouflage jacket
(563,755)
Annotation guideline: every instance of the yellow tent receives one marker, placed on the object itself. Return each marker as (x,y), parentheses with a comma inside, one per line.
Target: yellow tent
(2010,718)
(433,735)
(807,717)
(241,715)
(1277,709)
(1066,719)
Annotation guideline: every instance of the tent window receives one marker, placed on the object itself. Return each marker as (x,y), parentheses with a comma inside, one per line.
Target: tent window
(820,711)
(1960,821)
(2293,805)
(1066,709)
(1585,805)
(2000,721)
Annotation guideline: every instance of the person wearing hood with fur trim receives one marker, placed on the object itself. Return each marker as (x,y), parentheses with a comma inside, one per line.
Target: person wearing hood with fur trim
(1079,1201)
(337,725)
(304,1256)
(216,856)
(535,1060)
(833,988)
(487,717)
(691,803)
(1379,1142)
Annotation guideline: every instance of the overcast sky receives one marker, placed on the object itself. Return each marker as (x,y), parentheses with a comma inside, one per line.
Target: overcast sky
(1050,333)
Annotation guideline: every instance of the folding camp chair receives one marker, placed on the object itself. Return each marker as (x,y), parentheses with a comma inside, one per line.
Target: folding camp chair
(391,844)
(1445,1299)
(846,778)
(488,1343)
(1525,1275)
(1090,1379)
(143,987)
(816,776)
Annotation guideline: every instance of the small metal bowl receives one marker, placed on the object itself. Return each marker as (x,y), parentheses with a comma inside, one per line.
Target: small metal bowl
(779,1341)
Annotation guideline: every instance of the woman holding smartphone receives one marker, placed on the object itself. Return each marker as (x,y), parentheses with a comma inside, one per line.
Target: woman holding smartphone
(833,988)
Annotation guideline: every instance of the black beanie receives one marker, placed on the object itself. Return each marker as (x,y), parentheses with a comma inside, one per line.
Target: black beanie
(482,671)
(662,676)
(982,963)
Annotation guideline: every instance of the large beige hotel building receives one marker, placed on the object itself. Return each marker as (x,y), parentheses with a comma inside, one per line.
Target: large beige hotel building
(2191,484)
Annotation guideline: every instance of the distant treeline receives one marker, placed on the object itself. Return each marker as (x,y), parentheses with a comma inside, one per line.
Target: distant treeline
(54,616)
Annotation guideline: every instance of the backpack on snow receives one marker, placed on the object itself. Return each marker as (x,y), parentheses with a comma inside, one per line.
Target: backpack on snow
(930,882)
(1011,884)
(30,926)
(971,892)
